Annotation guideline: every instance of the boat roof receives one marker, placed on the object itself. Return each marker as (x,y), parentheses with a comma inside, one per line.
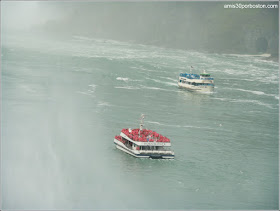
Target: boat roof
(145,137)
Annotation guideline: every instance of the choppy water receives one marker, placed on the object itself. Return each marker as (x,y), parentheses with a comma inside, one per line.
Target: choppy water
(64,101)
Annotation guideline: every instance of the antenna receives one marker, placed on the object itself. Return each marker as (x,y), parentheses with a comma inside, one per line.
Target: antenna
(142,121)
(191,69)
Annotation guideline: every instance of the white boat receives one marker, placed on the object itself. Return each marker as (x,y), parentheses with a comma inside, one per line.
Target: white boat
(202,82)
(144,143)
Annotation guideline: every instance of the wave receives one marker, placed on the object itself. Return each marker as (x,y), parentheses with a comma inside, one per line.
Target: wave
(150,87)
(157,123)
(221,99)
(270,79)
(126,87)
(93,87)
(157,88)
(84,93)
(249,55)
(256,102)
(146,87)
(98,40)
(145,69)
(89,92)
(182,126)
(254,92)
(101,103)
(126,79)
(122,79)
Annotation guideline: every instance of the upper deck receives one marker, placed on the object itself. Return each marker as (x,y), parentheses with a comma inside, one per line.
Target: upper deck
(202,76)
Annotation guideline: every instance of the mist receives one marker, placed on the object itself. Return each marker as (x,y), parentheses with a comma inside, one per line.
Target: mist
(200,26)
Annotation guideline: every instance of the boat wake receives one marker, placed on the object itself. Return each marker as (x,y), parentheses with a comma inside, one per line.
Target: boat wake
(171,79)
(146,87)
(163,82)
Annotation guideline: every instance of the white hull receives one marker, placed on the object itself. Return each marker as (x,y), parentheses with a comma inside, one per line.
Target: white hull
(142,153)
(196,88)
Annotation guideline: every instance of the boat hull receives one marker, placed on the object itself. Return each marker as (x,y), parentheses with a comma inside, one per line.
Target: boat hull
(196,88)
(134,153)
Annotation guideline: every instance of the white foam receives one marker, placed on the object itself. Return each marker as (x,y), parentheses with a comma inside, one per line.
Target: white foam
(122,79)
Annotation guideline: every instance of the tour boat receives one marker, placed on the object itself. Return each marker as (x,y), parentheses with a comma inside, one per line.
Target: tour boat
(202,82)
(144,143)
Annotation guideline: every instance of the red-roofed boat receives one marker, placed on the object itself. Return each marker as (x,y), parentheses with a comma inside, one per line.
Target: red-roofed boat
(144,143)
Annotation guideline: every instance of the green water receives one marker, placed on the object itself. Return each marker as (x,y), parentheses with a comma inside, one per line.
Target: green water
(64,101)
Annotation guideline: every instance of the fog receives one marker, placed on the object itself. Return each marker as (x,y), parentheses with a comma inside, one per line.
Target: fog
(201,26)
(22,15)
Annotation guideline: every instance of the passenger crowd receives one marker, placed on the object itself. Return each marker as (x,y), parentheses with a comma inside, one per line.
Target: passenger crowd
(145,135)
